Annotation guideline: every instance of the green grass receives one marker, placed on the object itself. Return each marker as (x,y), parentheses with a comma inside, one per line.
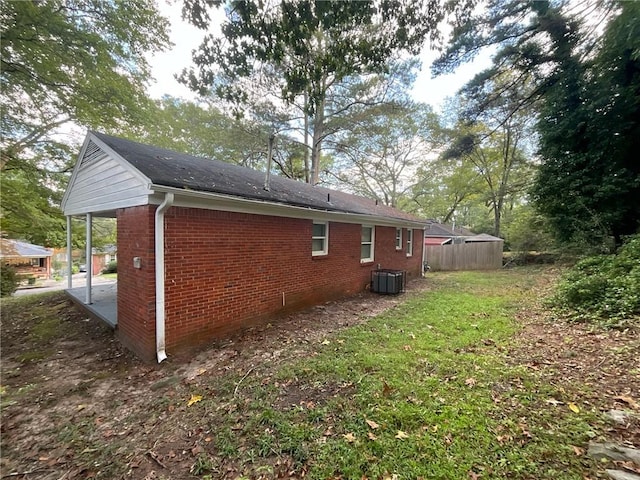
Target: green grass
(113,276)
(431,375)
(425,390)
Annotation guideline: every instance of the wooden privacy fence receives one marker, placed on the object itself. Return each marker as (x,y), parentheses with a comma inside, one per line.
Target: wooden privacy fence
(465,256)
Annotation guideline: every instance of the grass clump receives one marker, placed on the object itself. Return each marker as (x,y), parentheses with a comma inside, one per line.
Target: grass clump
(604,288)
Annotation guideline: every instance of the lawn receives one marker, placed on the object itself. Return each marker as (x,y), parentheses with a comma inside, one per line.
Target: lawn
(465,376)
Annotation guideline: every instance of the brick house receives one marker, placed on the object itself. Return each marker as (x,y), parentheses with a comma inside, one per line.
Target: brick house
(204,248)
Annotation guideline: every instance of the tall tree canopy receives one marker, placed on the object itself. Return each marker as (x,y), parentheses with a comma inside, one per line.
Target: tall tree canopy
(65,63)
(585,91)
(311,46)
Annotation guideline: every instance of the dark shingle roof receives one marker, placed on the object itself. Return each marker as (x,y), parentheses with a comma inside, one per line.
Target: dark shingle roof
(172,169)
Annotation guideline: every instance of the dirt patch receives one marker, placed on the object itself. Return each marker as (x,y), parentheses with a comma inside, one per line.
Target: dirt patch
(70,390)
(596,368)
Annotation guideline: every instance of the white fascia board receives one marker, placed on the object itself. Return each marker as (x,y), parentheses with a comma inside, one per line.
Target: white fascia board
(229,203)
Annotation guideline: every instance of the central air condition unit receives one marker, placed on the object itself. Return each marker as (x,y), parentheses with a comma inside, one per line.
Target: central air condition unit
(388,281)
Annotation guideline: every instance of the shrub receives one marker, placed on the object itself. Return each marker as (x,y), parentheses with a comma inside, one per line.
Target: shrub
(604,288)
(8,281)
(112,267)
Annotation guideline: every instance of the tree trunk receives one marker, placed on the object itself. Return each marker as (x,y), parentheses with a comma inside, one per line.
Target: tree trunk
(307,177)
(316,149)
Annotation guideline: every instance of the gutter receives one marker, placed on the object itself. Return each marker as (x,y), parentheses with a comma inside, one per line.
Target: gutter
(233,203)
(160,292)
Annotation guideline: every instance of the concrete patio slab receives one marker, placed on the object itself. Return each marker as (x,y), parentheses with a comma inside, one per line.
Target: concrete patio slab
(104,304)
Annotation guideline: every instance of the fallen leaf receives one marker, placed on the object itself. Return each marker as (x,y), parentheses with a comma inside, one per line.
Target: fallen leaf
(194,399)
(197,450)
(473,475)
(470,381)
(573,407)
(412,335)
(628,400)
(371,423)
(401,435)
(340,341)
(326,342)
(81,407)
(386,389)
(208,439)
(577,450)
(554,402)
(407,348)
(349,437)
(371,436)
(201,371)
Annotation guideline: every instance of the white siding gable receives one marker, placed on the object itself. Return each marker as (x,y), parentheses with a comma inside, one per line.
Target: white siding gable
(102,181)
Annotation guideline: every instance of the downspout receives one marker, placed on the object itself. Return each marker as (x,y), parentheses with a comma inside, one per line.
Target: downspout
(160,293)
(424,251)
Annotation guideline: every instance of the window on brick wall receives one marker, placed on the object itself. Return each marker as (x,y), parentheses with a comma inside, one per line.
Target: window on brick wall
(409,242)
(367,244)
(320,238)
(398,239)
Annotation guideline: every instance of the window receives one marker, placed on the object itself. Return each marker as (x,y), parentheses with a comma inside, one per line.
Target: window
(409,242)
(366,244)
(320,239)
(398,239)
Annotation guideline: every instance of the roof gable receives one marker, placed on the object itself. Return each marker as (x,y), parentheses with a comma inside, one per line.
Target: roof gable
(103,181)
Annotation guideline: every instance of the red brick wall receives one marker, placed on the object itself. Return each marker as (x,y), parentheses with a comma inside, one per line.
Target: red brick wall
(136,287)
(225,271)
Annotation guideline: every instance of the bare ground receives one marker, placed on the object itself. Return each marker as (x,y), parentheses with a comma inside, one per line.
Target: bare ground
(78,405)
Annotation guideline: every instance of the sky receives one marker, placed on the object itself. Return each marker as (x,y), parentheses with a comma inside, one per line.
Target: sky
(186,38)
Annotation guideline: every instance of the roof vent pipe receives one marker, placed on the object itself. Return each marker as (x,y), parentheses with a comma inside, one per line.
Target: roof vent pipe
(267,177)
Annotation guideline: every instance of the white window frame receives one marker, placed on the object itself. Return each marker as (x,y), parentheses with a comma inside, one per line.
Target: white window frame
(398,238)
(372,243)
(325,240)
(409,242)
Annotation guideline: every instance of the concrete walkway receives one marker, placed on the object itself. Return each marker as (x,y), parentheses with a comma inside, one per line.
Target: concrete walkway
(79,280)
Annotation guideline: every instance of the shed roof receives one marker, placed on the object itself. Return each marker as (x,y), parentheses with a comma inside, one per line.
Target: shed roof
(190,173)
(483,237)
(17,249)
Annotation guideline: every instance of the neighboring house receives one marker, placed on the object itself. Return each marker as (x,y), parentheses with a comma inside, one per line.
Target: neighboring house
(28,260)
(101,257)
(206,248)
(456,248)
(441,234)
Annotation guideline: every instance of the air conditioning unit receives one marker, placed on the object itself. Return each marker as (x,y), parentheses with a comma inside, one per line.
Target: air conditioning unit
(388,282)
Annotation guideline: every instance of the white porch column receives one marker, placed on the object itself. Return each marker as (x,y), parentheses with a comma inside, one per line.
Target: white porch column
(69,254)
(89,262)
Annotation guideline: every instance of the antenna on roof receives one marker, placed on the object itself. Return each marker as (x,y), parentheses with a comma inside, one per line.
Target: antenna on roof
(267,178)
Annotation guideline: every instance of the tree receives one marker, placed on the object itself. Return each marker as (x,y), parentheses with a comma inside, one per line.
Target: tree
(380,153)
(446,190)
(202,129)
(589,183)
(64,64)
(311,47)
(585,86)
